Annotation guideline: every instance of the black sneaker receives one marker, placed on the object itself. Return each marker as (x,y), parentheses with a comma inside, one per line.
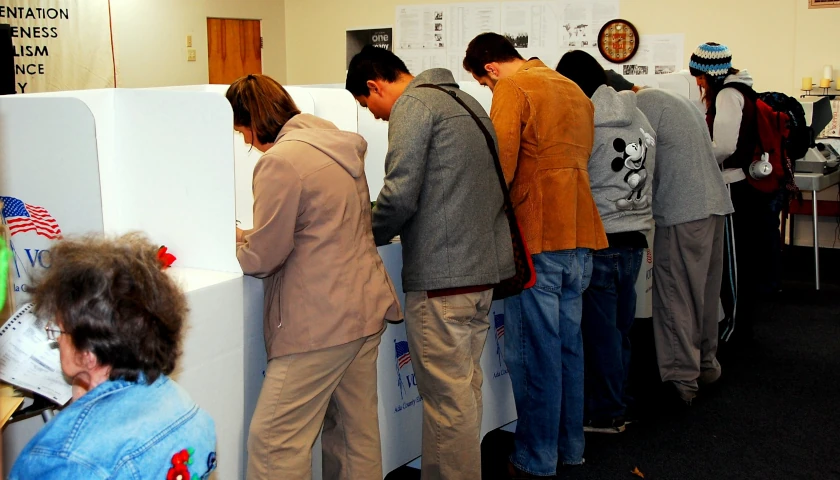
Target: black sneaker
(612,425)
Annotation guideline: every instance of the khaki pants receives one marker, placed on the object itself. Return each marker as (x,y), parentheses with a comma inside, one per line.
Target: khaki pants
(687,271)
(446,337)
(334,387)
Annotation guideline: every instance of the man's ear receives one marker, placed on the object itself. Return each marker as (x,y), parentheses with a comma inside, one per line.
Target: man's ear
(374,87)
(492,70)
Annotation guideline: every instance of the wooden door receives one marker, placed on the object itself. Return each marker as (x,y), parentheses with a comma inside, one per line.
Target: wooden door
(233,48)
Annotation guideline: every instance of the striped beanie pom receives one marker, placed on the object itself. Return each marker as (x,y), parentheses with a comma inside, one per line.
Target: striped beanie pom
(713,59)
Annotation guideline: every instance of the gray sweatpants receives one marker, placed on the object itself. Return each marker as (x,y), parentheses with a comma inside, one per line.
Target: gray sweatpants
(687,270)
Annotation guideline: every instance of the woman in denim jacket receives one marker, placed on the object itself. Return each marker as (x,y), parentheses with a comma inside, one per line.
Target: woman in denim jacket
(117,319)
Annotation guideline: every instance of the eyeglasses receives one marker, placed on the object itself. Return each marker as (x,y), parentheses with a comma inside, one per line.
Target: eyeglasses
(53,332)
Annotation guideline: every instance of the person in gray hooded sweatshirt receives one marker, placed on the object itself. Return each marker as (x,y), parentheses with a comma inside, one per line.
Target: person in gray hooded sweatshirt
(620,171)
(690,202)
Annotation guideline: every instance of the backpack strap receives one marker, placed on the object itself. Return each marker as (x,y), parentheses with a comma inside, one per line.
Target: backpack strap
(752,96)
(744,89)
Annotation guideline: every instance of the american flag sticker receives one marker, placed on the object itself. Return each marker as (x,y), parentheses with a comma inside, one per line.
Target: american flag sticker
(499,320)
(401,354)
(22,217)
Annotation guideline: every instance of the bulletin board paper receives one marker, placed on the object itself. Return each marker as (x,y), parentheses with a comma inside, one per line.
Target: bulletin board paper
(437,35)
(534,28)
(421,27)
(582,21)
(657,55)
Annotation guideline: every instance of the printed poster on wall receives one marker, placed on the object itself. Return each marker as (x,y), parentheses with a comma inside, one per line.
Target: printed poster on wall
(582,21)
(60,44)
(437,35)
(534,29)
(378,37)
(657,55)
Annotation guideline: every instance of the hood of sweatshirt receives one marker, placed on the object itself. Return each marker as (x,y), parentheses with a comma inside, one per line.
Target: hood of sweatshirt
(345,148)
(435,76)
(741,77)
(613,109)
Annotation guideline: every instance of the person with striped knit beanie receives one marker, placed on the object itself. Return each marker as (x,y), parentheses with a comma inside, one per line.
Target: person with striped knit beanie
(753,230)
(711,59)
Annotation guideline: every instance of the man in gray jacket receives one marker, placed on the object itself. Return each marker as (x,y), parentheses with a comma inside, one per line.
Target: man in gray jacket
(443,197)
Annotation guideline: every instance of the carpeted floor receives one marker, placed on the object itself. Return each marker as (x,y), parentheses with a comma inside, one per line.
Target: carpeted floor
(771,416)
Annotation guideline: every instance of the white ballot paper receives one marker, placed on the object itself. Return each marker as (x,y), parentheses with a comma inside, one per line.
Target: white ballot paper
(29,360)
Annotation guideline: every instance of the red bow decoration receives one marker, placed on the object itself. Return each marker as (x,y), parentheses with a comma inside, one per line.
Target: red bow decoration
(166,259)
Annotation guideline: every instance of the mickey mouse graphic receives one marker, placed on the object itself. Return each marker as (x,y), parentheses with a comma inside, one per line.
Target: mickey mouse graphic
(633,158)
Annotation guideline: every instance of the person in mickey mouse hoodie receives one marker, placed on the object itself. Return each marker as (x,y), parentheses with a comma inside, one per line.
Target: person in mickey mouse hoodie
(620,169)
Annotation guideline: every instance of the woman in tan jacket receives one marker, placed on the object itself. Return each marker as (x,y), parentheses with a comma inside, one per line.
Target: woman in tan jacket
(327,294)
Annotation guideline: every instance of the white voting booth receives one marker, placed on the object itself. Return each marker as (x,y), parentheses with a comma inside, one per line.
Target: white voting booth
(160,162)
(400,406)
(166,161)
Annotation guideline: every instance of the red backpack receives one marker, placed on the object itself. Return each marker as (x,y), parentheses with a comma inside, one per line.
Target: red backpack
(773,138)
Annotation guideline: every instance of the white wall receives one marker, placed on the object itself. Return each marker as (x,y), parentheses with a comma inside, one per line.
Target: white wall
(779,41)
(150,38)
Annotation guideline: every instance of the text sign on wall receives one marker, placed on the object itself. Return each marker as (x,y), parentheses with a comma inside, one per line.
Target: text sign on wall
(60,44)
(378,37)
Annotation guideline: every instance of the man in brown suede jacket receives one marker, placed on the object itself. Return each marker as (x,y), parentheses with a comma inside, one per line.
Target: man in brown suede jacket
(545,126)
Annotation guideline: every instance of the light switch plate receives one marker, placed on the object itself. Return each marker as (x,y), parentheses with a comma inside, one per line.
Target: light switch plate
(189,41)
(190,54)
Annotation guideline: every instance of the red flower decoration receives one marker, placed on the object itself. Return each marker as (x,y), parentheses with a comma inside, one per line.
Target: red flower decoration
(166,260)
(178,472)
(180,461)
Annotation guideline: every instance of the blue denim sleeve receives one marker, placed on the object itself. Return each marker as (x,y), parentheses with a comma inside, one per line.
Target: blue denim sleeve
(49,465)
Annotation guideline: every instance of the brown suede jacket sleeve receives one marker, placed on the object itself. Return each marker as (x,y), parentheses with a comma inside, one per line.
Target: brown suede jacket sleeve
(508,113)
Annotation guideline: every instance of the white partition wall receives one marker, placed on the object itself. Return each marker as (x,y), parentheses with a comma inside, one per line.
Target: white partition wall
(337,106)
(376,133)
(164,160)
(482,94)
(173,165)
(53,167)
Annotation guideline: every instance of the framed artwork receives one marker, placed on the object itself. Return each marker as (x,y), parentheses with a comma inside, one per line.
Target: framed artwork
(823,3)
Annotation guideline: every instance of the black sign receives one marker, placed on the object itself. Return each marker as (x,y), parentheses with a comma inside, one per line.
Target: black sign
(378,37)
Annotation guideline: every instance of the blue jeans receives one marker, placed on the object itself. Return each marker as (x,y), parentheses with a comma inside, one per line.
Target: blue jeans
(609,307)
(544,356)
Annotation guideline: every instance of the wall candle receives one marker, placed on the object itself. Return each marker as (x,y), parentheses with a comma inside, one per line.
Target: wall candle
(807,83)
(828,72)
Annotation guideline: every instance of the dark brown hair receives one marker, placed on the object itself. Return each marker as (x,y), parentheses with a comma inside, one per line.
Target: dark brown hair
(715,84)
(373,63)
(260,103)
(112,299)
(582,68)
(488,48)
